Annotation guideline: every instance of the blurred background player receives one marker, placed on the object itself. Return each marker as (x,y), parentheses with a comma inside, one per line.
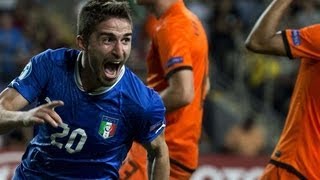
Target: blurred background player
(246,138)
(90,106)
(177,66)
(296,154)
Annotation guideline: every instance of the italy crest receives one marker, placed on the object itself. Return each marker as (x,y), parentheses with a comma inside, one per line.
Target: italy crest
(108,127)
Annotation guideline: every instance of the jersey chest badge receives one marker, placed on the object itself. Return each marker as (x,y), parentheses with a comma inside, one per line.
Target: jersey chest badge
(108,127)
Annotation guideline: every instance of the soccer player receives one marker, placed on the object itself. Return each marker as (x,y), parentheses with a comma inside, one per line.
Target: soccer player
(178,69)
(91,107)
(296,156)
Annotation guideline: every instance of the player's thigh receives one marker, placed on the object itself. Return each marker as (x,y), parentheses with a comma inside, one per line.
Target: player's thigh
(273,172)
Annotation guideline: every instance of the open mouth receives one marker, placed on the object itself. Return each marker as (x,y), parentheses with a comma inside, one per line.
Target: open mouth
(111,69)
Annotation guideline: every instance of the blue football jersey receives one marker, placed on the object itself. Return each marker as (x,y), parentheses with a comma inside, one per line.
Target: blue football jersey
(98,128)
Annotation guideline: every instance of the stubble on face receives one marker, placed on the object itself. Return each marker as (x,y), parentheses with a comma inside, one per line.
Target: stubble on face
(108,44)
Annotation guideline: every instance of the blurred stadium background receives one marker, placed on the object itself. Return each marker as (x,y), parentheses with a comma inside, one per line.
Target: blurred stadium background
(248,101)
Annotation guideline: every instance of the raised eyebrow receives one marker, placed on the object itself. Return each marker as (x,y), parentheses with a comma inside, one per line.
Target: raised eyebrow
(113,35)
(128,34)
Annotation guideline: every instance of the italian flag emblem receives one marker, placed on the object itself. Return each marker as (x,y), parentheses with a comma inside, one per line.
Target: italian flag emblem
(107,127)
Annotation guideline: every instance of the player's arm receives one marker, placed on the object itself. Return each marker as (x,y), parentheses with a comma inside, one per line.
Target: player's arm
(11,101)
(180,91)
(264,37)
(158,158)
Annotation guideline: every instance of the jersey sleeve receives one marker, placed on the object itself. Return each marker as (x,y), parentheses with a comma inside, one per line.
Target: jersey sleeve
(303,43)
(33,78)
(153,121)
(174,48)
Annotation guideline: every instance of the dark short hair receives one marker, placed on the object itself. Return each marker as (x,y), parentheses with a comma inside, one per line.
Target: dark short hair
(94,12)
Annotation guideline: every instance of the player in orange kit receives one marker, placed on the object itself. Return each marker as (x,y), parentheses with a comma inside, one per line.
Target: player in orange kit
(296,155)
(178,69)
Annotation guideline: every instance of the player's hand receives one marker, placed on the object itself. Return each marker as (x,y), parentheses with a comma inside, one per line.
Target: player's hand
(43,114)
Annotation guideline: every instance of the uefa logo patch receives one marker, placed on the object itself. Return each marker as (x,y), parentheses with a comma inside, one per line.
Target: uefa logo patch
(174,60)
(108,127)
(295,34)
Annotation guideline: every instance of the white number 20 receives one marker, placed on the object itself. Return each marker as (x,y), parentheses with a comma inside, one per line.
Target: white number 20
(71,139)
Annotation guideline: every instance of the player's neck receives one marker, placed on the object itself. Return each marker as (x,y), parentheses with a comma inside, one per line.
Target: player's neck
(87,80)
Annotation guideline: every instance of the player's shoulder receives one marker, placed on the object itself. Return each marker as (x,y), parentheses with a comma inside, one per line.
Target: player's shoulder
(182,22)
(138,91)
(59,56)
(181,14)
(132,80)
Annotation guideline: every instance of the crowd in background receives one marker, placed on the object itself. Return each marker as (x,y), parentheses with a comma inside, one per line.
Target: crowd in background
(249,96)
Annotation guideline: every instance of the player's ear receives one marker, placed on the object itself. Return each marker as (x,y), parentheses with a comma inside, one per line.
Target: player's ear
(80,42)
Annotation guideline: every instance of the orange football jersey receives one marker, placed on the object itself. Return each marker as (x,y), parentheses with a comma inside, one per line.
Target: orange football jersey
(178,42)
(298,146)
